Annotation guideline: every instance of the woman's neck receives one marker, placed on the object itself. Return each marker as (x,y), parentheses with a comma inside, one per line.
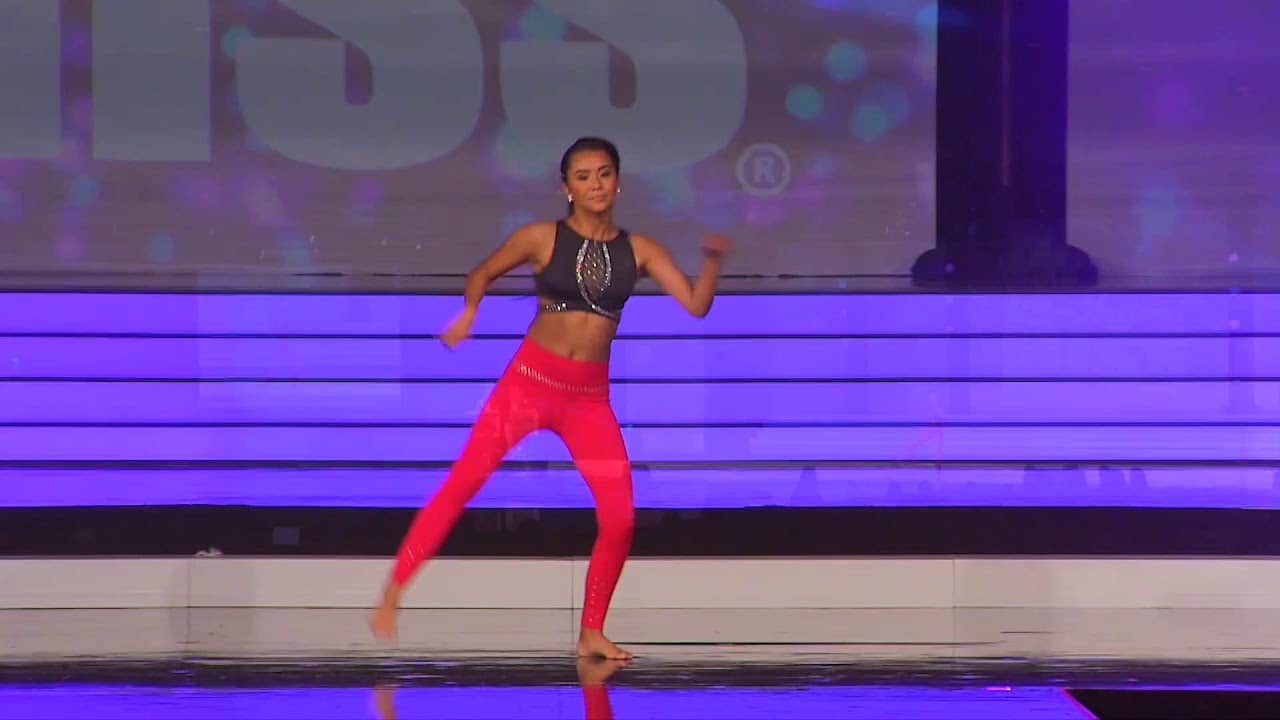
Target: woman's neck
(597,226)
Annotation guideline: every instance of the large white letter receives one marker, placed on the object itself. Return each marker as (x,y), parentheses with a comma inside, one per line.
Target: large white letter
(151,80)
(428,69)
(30,79)
(691,84)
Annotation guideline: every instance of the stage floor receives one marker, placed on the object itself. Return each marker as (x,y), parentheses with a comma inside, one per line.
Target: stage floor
(912,663)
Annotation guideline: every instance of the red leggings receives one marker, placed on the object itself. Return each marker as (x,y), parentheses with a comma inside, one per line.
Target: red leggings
(542,391)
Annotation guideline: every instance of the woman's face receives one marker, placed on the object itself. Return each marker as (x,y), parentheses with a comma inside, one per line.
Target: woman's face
(592,180)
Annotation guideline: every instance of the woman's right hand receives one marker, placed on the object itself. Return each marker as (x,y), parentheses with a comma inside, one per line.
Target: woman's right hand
(459,328)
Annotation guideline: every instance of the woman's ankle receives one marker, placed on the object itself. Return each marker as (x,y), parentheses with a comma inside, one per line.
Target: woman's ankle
(391,594)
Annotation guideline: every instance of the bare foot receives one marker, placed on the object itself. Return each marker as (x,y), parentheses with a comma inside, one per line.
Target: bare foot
(593,643)
(383,622)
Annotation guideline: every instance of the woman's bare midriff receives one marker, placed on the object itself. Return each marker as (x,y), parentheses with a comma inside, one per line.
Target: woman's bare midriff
(576,334)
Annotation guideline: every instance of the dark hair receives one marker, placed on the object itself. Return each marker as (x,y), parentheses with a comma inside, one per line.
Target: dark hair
(585,144)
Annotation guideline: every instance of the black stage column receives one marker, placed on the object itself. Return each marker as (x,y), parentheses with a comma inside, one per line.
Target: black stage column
(1002,149)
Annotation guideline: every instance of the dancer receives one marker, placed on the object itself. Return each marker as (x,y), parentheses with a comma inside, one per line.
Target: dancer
(585,269)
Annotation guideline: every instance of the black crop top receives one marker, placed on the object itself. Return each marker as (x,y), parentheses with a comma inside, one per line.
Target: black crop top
(584,274)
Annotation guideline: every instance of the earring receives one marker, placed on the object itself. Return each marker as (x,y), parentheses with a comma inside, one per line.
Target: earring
(570,197)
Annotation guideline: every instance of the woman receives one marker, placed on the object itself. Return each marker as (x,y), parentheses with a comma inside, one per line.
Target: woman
(585,268)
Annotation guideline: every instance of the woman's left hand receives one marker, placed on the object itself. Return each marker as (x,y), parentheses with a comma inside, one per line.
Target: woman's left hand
(716,246)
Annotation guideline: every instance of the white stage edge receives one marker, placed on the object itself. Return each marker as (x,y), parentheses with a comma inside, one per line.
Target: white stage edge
(649,583)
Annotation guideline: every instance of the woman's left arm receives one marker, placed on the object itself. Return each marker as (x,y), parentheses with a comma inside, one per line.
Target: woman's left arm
(695,297)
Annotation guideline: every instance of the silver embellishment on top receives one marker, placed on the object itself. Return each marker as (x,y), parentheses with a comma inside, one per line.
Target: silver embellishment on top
(594,271)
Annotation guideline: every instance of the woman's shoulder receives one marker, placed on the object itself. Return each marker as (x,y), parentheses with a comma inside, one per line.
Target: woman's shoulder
(643,245)
(534,235)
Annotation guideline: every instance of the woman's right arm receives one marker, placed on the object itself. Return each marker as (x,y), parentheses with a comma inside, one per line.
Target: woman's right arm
(520,248)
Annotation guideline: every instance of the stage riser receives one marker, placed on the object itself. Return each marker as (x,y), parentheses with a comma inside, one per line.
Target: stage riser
(657,488)
(1130,399)
(708,360)
(178,403)
(787,315)
(651,583)
(723,445)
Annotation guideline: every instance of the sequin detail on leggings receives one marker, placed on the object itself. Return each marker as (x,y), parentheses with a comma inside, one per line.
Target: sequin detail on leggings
(562,386)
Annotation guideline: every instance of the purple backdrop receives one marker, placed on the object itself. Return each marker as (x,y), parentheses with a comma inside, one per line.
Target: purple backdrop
(1173,159)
